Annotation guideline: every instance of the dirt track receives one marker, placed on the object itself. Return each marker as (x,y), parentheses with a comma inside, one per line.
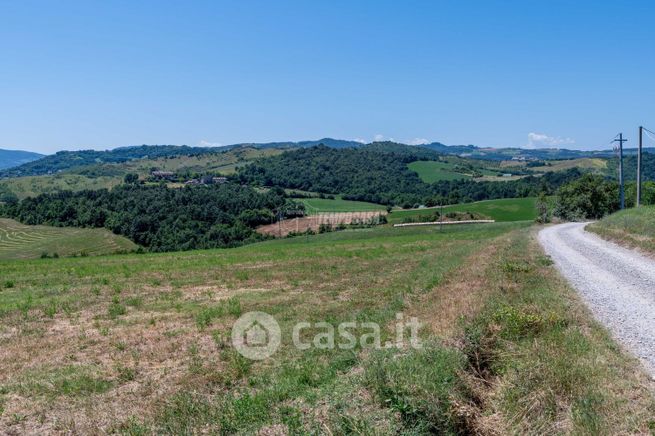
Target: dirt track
(617,284)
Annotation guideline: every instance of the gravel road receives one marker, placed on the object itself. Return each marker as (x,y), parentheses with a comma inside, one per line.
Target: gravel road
(616,283)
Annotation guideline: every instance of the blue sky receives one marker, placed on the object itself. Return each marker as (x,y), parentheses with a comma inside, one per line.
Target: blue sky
(93,74)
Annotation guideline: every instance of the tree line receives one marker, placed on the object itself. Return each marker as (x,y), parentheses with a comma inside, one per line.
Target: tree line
(161,218)
(379,174)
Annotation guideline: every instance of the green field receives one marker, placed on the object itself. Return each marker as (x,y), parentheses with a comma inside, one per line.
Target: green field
(316,205)
(505,209)
(433,171)
(632,227)
(18,241)
(140,344)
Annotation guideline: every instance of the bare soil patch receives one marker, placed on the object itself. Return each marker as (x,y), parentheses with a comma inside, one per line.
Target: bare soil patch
(313,222)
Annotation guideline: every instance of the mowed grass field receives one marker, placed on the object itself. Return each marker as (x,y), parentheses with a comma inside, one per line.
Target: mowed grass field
(582,163)
(18,241)
(433,171)
(140,344)
(631,227)
(502,210)
(316,205)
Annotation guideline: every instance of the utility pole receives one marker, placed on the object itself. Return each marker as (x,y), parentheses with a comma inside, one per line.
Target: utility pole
(621,187)
(639,154)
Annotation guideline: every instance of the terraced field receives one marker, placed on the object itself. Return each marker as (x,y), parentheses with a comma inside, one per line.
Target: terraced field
(18,241)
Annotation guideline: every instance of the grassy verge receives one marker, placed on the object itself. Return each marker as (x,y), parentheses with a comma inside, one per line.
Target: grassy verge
(634,228)
(540,364)
(528,360)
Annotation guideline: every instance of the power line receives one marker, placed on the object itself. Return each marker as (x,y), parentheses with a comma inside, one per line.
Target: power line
(649,133)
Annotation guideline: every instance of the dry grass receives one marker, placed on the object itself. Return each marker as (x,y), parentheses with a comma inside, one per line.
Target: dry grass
(633,228)
(150,327)
(140,343)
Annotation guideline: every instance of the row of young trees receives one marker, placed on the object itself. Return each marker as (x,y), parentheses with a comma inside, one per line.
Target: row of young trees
(161,218)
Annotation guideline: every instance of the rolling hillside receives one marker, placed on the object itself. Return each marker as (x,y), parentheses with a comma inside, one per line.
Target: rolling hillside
(107,175)
(18,241)
(65,160)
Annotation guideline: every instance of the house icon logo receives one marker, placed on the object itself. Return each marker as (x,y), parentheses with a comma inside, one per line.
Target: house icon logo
(256,335)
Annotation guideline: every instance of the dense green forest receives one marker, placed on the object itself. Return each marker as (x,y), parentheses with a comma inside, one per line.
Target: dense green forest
(378,173)
(160,218)
(630,167)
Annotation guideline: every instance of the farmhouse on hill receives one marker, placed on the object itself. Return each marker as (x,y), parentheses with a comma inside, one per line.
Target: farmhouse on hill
(162,174)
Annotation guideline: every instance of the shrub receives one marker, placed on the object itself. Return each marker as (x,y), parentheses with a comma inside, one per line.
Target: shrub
(589,197)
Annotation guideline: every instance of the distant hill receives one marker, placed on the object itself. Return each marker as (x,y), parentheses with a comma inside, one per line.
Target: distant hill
(329,142)
(379,173)
(65,160)
(14,158)
(491,153)
(33,164)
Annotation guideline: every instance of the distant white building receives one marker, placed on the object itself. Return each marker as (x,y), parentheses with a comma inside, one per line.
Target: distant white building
(162,174)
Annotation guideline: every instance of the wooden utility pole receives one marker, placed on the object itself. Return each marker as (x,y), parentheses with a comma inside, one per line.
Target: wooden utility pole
(621,186)
(639,156)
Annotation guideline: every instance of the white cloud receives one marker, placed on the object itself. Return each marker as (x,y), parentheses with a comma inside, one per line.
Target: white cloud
(360,140)
(204,143)
(418,141)
(540,140)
